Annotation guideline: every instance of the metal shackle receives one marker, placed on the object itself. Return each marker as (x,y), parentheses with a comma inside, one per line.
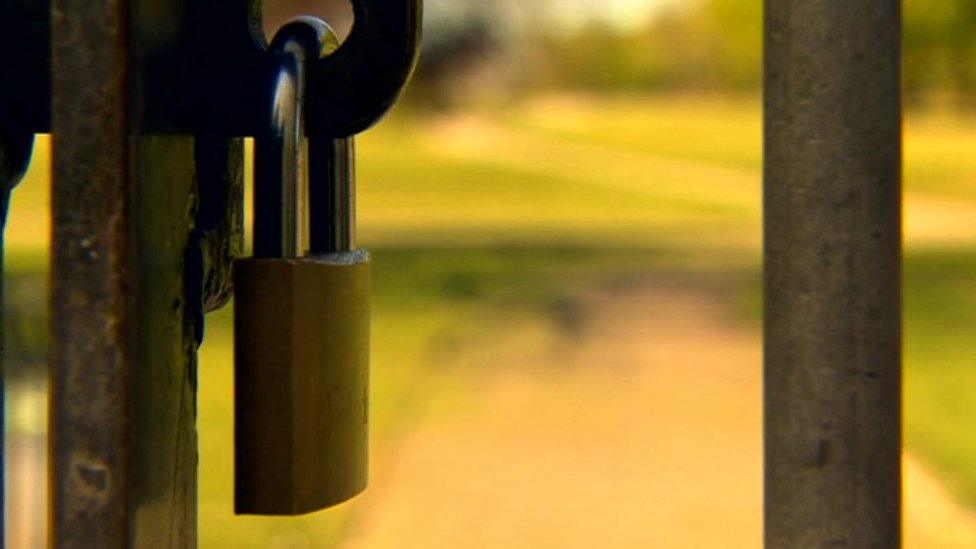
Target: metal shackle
(332,179)
(286,210)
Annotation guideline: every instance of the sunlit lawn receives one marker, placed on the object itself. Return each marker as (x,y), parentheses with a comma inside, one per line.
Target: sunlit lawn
(506,215)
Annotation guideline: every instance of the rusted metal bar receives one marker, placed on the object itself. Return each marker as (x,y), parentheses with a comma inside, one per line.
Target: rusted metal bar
(832,273)
(145,221)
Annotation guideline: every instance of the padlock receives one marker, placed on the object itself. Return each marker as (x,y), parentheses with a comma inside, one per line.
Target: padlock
(301,317)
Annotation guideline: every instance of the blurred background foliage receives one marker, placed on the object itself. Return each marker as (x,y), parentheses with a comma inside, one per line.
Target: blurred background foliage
(668,45)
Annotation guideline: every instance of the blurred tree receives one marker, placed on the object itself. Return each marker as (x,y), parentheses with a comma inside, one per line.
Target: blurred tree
(717,44)
(460,35)
(468,50)
(703,44)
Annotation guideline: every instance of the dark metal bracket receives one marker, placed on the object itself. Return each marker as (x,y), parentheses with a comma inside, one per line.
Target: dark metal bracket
(217,84)
(349,91)
(25,84)
(208,74)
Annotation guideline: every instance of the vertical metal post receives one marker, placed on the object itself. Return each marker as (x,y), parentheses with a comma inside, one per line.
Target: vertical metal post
(146,218)
(832,273)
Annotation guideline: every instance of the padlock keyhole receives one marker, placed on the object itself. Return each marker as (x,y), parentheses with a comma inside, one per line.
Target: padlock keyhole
(337,13)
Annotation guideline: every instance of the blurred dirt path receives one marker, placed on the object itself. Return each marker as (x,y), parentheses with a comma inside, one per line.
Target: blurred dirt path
(646,433)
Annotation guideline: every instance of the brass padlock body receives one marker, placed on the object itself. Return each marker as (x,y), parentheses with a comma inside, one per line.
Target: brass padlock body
(302,382)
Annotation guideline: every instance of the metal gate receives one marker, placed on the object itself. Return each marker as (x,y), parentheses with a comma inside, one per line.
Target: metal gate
(147,101)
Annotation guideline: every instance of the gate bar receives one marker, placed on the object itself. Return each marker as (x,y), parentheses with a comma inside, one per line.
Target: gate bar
(123,439)
(146,218)
(832,191)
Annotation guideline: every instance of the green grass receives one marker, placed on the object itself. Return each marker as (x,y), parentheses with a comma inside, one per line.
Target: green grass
(717,131)
(486,221)
(940,354)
